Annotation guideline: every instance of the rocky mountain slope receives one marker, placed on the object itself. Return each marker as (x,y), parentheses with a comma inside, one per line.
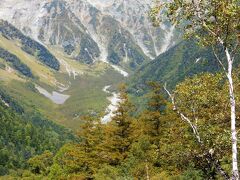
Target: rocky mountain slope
(133,16)
(113,31)
(28,45)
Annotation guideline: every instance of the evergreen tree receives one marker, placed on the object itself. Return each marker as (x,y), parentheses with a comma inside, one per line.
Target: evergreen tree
(117,133)
(154,117)
(81,159)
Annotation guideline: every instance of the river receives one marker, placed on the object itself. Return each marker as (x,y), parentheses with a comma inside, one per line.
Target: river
(114,101)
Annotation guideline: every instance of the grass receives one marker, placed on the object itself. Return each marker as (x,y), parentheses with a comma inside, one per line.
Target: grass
(8,76)
(85,90)
(87,95)
(45,74)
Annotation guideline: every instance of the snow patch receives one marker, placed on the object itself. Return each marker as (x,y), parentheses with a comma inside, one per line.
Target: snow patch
(5,103)
(89,54)
(55,97)
(121,71)
(126,52)
(197,60)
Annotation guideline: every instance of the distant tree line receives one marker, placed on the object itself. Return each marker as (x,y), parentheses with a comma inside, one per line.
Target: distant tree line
(16,63)
(29,46)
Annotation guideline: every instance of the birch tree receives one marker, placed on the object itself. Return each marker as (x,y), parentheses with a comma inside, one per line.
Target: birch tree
(216,24)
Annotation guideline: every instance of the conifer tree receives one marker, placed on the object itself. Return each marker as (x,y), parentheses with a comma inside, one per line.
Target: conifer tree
(117,132)
(80,160)
(154,116)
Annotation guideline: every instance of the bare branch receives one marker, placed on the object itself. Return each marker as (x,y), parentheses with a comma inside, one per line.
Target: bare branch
(170,95)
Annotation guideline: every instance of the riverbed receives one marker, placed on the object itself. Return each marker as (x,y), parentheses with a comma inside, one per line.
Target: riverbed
(113,106)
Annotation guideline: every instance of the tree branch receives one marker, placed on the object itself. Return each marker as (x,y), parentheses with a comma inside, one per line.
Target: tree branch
(183,117)
(219,60)
(210,158)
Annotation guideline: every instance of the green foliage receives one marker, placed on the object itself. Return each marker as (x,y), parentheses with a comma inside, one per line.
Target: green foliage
(156,144)
(79,160)
(192,174)
(117,138)
(22,137)
(108,173)
(173,66)
(16,63)
(40,164)
(206,108)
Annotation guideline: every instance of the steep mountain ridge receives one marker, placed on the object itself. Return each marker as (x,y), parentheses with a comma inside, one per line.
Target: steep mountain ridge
(116,44)
(133,16)
(86,29)
(182,61)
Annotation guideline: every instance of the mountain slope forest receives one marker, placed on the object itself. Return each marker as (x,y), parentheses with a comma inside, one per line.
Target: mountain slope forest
(119,89)
(156,143)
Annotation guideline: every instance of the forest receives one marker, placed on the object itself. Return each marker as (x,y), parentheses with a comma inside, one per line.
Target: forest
(155,144)
(16,63)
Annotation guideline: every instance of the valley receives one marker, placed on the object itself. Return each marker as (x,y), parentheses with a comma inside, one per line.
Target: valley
(61,96)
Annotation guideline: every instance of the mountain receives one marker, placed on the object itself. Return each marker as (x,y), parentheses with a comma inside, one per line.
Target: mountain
(179,62)
(63,114)
(89,31)
(46,79)
(133,16)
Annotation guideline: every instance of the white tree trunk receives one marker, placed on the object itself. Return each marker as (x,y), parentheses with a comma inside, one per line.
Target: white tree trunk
(235,174)
(147,170)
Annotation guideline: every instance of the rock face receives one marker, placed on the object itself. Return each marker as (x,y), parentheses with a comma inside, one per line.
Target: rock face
(115,31)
